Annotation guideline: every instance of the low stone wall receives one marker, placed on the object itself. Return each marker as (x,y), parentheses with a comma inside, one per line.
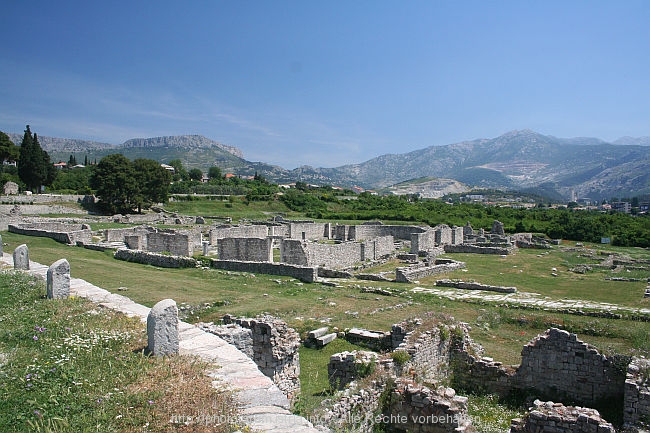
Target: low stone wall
(155,259)
(307,274)
(118,235)
(636,403)
(419,409)
(476,249)
(557,418)
(415,272)
(70,234)
(270,343)
(470,285)
(345,367)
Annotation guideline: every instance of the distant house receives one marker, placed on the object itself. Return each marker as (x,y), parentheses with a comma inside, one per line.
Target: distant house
(10,188)
(60,165)
(169,168)
(622,206)
(229,176)
(643,207)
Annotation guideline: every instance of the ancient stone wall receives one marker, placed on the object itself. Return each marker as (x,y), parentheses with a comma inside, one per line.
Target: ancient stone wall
(246,249)
(334,256)
(303,273)
(443,234)
(636,403)
(477,249)
(70,234)
(557,418)
(345,367)
(177,244)
(309,230)
(470,285)
(270,343)
(118,235)
(238,231)
(369,231)
(419,409)
(415,272)
(559,365)
(155,259)
(424,241)
(457,235)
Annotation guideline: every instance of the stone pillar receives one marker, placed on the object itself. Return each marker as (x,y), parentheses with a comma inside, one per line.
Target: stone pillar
(1,252)
(21,258)
(206,247)
(58,280)
(162,328)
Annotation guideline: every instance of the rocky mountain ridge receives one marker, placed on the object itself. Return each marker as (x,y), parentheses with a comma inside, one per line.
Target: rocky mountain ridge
(582,166)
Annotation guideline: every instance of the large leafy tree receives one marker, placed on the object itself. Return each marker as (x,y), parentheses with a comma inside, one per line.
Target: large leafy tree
(34,165)
(8,150)
(114,179)
(152,181)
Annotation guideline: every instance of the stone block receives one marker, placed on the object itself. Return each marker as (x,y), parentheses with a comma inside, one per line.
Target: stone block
(58,280)
(21,258)
(318,332)
(162,328)
(325,339)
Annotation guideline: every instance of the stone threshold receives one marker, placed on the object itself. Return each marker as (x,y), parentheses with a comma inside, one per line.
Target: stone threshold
(263,407)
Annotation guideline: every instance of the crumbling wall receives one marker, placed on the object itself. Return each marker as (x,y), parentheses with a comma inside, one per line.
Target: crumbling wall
(272,344)
(478,249)
(246,249)
(636,403)
(457,235)
(420,409)
(303,273)
(443,234)
(238,231)
(118,235)
(559,365)
(345,367)
(415,272)
(557,418)
(70,234)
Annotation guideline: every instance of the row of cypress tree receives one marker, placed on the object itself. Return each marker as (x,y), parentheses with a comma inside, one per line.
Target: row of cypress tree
(34,166)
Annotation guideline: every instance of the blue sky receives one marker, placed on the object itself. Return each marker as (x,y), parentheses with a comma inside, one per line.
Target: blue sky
(325,83)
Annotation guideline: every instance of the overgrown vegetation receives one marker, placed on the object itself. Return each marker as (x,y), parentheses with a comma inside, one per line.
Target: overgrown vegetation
(68,366)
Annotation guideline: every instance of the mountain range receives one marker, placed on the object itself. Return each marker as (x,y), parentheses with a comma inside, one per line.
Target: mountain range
(521,160)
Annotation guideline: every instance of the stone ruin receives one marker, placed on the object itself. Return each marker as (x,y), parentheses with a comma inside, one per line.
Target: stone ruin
(269,342)
(557,418)
(554,365)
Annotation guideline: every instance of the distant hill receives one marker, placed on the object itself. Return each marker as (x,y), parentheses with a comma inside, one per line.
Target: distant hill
(521,160)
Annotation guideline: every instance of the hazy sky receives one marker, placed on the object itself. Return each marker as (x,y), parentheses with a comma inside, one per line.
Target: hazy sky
(325,83)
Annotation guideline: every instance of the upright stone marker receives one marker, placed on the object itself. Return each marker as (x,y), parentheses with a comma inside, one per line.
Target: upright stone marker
(162,328)
(58,280)
(21,258)
(206,247)
(1,252)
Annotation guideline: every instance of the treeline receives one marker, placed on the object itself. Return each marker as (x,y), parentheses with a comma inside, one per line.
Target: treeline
(564,223)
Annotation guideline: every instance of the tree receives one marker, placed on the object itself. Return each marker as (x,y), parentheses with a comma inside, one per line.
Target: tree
(34,165)
(195,174)
(114,179)
(179,171)
(153,182)
(214,173)
(72,161)
(8,150)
